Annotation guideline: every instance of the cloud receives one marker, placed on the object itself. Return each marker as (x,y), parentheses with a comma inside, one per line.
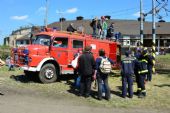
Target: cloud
(24,17)
(41,10)
(72,10)
(137,14)
(59,12)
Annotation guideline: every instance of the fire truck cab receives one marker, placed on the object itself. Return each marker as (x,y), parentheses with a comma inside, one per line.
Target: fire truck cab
(51,53)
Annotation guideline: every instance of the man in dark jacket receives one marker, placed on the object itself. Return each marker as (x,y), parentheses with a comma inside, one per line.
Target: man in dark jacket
(110,31)
(149,66)
(127,71)
(86,67)
(71,28)
(143,71)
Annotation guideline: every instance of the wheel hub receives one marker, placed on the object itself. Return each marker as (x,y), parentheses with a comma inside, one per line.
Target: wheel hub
(49,73)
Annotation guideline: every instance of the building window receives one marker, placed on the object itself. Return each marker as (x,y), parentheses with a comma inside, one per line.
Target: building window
(27,41)
(21,42)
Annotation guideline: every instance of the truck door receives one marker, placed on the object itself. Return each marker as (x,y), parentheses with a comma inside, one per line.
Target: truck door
(76,46)
(59,50)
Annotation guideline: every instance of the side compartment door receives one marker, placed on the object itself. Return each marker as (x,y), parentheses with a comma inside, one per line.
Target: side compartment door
(113,49)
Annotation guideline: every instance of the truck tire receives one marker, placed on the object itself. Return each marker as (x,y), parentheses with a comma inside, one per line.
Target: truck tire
(48,74)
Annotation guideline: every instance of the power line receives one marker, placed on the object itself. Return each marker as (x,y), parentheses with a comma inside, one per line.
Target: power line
(120,12)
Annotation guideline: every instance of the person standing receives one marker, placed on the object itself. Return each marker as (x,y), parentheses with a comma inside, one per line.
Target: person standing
(149,66)
(86,67)
(104,27)
(110,31)
(74,64)
(137,55)
(103,68)
(99,27)
(71,28)
(93,24)
(127,71)
(143,71)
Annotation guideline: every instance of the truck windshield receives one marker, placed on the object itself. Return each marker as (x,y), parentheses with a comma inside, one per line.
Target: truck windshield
(42,40)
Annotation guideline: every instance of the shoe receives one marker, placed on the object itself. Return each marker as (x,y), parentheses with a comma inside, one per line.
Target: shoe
(123,96)
(144,94)
(79,94)
(99,98)
(87,96)
(141,95)
(103,94)
(137,92)
(107,98)
(130,96)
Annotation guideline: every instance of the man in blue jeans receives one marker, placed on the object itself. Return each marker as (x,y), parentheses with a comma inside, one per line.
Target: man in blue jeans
(127,71)
(102,78)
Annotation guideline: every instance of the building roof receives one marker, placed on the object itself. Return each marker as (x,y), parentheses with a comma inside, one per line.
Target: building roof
(126,27)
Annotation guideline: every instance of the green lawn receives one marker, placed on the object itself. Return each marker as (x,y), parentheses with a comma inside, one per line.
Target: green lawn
(158,91)
(164,59)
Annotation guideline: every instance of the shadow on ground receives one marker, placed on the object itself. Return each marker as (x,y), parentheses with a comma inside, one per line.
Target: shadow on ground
(163,85)
(24,78)
(34,78)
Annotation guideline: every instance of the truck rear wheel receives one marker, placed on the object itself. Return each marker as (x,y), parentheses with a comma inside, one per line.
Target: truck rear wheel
(48,74)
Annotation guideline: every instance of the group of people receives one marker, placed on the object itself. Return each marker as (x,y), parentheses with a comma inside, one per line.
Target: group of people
(101,29)
(140,64)
(90,69)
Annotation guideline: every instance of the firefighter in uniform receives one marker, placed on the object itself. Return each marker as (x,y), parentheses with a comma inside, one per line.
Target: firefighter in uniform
(149,66)
(127,71)
(137,55)
(143,71)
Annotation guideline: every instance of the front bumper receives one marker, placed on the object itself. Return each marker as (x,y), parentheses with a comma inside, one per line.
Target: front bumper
(26,68)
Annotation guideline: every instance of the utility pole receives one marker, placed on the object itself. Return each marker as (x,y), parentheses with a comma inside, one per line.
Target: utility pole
(153,22)
(61,21)
(141,21)
(46,14)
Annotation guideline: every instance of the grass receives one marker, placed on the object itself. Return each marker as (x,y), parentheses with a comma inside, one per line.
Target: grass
(158,91)
(163,59)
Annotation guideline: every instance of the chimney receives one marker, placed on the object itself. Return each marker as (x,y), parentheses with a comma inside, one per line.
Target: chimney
(62,19)
(79,18)
(108,17)
(161,21)
(143,19)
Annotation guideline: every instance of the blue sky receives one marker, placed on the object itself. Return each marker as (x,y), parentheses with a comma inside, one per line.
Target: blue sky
(17,13)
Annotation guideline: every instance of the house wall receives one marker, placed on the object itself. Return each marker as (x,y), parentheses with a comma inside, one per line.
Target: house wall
(17,35)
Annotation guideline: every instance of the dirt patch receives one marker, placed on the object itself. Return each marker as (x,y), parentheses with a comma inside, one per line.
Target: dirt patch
(18,100)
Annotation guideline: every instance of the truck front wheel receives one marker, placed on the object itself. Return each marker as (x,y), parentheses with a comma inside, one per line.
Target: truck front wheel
(48,74)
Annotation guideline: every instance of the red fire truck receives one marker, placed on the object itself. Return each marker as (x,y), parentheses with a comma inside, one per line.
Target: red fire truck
(51,53)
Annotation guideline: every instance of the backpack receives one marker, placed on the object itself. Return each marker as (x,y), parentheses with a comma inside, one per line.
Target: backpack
(105,66)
